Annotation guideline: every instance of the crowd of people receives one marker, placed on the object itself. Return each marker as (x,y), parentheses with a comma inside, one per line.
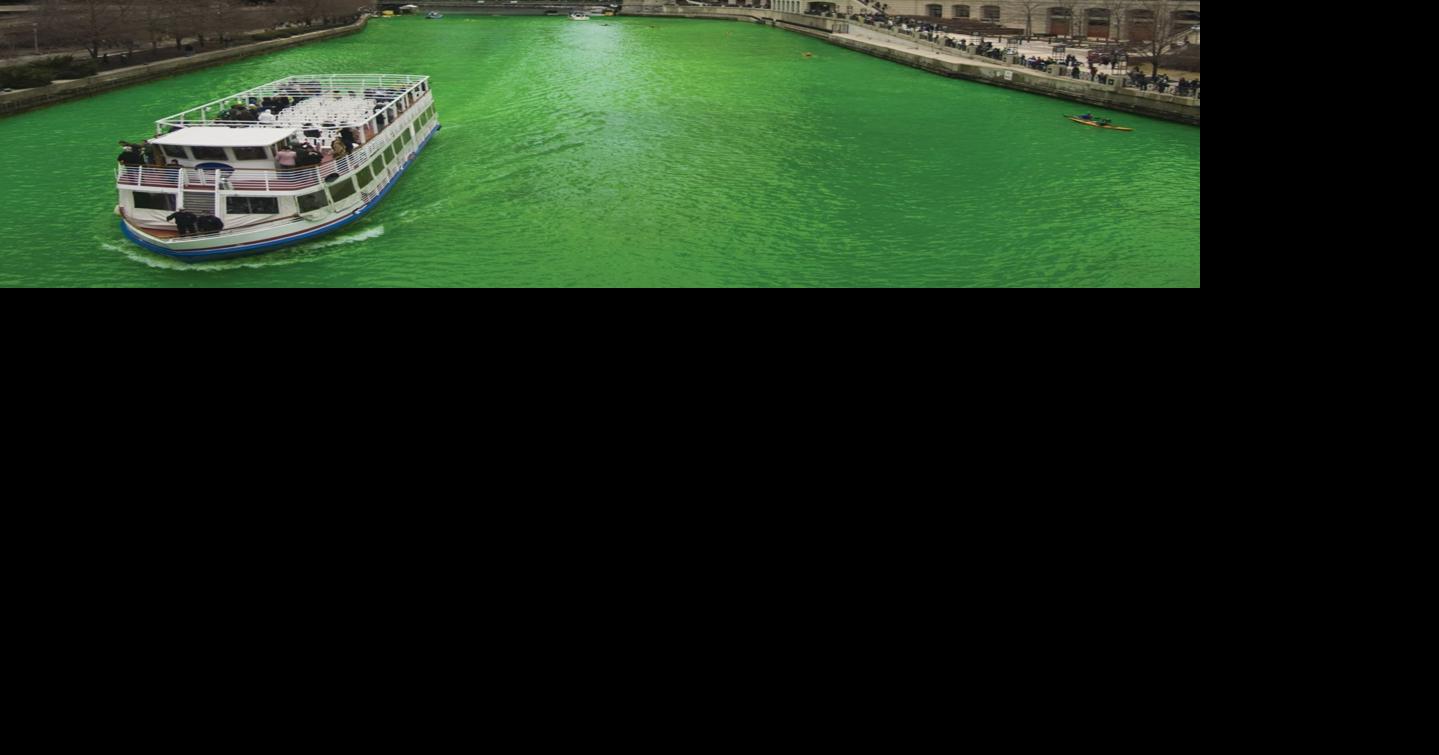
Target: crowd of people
(1069,66)
(320,140)
(188,223)
(144,154)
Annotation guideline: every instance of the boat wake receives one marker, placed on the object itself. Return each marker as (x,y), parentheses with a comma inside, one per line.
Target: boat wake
(301,253)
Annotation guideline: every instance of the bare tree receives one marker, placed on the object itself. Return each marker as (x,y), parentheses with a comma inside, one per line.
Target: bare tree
(1163,39)
(1070,6)
(156,18)
(224,20)
(1030,6)
(1119,13)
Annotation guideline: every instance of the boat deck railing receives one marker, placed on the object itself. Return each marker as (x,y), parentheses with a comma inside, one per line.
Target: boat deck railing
(286,180)
(385,89)
(246,179)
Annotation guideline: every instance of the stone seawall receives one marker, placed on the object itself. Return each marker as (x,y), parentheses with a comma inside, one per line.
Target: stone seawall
(29,99)
(834,31)
(1126,99)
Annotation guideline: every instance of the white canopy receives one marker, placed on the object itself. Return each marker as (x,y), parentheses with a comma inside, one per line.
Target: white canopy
(212,136)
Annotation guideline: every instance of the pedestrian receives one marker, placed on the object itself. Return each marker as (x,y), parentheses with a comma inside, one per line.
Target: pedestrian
(185,221)
(209,224)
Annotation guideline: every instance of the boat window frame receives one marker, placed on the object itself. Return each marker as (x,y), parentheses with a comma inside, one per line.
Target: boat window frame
(344,181)
(218,153)
(264,153)
(172,201)
(322,194)
(249,204)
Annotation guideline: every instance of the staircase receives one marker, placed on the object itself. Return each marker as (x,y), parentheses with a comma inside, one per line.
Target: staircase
(200,203)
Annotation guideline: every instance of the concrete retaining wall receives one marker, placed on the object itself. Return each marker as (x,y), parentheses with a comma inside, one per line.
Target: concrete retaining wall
(1166,107)
(1114,97)
(29,99)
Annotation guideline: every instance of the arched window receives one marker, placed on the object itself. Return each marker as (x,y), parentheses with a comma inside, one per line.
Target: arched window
(1141,26)
(935,11)
(1098,23)
(961,11)
(1061,21)
(989,13)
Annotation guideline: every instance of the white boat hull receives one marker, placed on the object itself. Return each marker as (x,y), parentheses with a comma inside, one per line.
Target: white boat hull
(261,239)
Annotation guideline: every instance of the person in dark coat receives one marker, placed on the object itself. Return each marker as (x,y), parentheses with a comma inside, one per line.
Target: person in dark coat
(184,221)
(210,224)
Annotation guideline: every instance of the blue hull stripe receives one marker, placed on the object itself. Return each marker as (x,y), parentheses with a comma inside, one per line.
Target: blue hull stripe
(265,246)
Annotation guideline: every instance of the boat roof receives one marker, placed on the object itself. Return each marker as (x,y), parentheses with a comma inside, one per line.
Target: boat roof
(347,91)
(212,136)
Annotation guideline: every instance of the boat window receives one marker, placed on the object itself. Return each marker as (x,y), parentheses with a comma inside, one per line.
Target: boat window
(390,153)
(210,153)
(177,153)
(145,200)
(378,167)
(364,175)
(314,201)
(342,189)
(252,205)
(252,153)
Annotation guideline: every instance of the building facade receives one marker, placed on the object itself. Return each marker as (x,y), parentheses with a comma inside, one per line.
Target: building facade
(1118,20)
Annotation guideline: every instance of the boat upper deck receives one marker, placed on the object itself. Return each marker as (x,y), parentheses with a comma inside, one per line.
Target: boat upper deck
(333,101)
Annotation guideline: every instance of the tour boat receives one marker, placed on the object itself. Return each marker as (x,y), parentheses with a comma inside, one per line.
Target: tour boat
(579,16)
(434,15)
(263,172)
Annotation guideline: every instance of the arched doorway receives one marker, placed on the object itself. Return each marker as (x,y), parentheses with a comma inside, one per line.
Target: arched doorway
(1141,26)
(1061,21)
(1097,23)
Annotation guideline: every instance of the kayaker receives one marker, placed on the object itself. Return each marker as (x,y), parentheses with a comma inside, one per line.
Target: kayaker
(1086,117)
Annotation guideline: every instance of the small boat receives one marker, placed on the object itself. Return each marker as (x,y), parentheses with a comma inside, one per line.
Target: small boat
(434,15)
(1096,123)
(579,16)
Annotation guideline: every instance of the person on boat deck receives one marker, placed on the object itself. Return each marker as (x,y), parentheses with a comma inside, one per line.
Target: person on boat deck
(267,117)
(184,221)
(131,157)
(339,148)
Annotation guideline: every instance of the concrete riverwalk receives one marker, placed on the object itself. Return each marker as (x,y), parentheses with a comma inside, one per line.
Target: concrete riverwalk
(945,61)
(28,99)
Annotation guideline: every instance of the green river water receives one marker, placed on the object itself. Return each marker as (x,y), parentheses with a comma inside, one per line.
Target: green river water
(654,152)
